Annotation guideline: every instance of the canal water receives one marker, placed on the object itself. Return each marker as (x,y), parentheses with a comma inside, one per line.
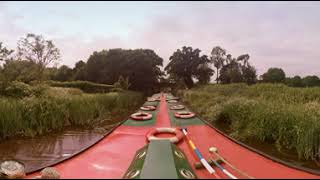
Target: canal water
(42,151)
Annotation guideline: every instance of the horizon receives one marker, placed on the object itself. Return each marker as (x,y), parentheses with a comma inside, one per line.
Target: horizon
(274,34)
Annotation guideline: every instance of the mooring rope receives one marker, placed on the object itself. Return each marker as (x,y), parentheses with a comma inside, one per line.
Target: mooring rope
(215,151)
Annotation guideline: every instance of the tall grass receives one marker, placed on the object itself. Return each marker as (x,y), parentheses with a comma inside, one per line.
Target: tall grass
(38,115)
(287,117)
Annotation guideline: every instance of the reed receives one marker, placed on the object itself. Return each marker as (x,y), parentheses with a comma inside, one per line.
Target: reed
(33,116)
(287,117)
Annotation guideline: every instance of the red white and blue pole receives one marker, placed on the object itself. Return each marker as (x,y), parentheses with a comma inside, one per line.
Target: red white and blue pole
(203,161)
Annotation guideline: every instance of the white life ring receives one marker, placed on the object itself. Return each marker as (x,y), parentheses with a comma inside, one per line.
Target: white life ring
(184,114)
(141,116)
(177,107)
(178,135)
(148,108)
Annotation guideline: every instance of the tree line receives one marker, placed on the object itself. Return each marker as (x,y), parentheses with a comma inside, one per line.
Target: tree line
(277,75)
(137,69)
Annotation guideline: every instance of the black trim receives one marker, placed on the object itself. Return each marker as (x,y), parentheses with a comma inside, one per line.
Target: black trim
(274,159)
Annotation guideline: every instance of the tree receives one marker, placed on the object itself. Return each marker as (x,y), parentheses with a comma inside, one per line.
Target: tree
(36,49)
(311,81)
(25,71)
(79,71)
(218,58)
(249,74)
(296,81)
(184,65)
(204,72)
(64,73)
(274,75)
(4,52)
(141,66)
(122,83)
(231,72)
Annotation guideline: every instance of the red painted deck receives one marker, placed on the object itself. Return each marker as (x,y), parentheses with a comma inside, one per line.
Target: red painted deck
(111,157)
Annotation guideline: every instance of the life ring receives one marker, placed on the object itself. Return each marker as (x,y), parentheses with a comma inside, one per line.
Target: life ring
(141,116)
(151,100)
(184,114)
(172,101)
(177,107)
(148,108)
(174,98)
(178,135)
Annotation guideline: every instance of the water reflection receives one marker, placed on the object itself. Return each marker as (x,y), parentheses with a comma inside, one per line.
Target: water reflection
(42,151)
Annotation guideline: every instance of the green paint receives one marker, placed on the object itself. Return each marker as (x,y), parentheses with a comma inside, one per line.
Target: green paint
(154,103)
(181,163)
(137,163)
(182,122)
(160,161)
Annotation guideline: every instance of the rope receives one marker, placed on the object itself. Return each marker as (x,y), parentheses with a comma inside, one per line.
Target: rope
(234,168)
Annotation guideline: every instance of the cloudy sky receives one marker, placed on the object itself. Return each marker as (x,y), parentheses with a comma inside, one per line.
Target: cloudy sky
(275,34)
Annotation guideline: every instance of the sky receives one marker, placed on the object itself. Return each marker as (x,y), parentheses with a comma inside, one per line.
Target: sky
(274,34)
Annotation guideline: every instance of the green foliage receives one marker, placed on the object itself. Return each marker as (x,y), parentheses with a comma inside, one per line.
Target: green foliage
(18,89)
(25,71)
(122,83)
(218,58)
(187,63)
(35,116)
(142,66)
(287,117)
(231,73)
(79,71)
(38,50)
(85,86)
(4,53)
(311,81)
(296,81)
(274,75)
(64,73)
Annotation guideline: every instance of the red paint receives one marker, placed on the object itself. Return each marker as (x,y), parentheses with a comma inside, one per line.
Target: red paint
(111,157)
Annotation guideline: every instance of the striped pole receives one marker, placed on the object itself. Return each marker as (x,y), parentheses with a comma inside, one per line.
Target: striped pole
(226,172)
(197,152)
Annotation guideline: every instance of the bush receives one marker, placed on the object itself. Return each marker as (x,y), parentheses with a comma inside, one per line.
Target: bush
(287,117)
(18,89)
(85,86)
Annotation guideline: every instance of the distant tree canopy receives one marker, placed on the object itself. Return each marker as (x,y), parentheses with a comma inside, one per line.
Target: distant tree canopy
(311,81)
(79,71)
(296,81)
(141,66)
(232,70)
(25,71)
(4,52)
(274,75)
(38,50)
(187,63)
(137,69)
(218,57)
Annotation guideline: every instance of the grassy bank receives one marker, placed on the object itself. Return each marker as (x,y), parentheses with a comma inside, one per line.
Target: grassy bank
(57,108)
(287,117)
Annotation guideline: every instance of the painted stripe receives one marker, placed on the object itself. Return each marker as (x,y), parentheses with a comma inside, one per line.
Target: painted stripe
(207,166)
(192,145)
(198,154)
(229,174)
